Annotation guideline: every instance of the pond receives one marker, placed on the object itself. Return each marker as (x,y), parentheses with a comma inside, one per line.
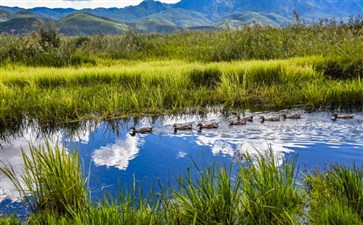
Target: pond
(115,158)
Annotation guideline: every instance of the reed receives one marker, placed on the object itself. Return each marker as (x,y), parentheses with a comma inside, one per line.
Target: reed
(51,180)
(211,197)
(270,192)
(337,195)
(47,94)
(258,191)
(327,38)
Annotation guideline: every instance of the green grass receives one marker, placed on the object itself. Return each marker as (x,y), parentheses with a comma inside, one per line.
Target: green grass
(336,196)
(259,191)
(51,180)
(123,88)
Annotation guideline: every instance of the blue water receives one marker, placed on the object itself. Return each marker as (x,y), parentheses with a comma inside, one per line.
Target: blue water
(115,159)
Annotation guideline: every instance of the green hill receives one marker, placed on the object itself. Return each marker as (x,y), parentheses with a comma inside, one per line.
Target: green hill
(153,25)
(182,18)
(241,19)
(87,24)
(21,22)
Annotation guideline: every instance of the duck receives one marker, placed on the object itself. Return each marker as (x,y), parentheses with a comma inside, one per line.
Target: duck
(182,127)
(292,116)
(237,122)
(342,116)
(273,118)
(248,118)
(143,130)
(207,126)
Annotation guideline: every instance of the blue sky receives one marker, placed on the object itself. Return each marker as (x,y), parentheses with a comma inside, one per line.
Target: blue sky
(77,4)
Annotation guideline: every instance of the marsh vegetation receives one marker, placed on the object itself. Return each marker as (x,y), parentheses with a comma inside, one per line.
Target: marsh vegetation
(259,191)
(50,80)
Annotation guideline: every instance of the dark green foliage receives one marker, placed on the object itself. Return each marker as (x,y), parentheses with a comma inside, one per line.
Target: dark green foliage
(208,77)
(343,68)
(48,37)
(330,39)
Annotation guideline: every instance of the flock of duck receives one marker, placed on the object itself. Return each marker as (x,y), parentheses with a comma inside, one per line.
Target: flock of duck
(235,122)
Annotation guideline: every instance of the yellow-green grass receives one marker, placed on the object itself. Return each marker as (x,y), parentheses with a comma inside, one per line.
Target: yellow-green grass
(124,88)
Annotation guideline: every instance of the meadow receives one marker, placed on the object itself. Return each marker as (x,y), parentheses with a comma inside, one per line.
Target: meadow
(53,95)
(50,79)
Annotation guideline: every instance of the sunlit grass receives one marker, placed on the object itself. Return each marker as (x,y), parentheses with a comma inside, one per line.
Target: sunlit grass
(154,87)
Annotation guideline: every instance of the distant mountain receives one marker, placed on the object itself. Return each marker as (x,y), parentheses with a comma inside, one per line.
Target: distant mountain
(154,16)
(131,13)
(183,18)
(171,20)
(54,14)
(241,19)
(21,22)
(153,25)
(87,24)
(306,8)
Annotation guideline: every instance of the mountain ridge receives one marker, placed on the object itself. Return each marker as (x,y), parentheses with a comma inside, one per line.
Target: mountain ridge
(155,16)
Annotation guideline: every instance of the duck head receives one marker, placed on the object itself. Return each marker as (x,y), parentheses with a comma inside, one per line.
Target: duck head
(334,116)
(133,131)
(262,118)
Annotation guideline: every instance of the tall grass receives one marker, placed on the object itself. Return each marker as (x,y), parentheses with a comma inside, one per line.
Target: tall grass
(52,95)
(210,198)
(337,196)
(51,180)
(270,192)
(259,191)
(327,38)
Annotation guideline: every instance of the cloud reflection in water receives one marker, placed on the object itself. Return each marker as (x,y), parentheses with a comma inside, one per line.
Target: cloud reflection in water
(118,154)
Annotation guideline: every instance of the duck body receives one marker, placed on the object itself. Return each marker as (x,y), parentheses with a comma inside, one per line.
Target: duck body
(207,126)
(291,116)
(248,118)
(143,130)
(272,118)
(237,122)
(342,116)
(182,127)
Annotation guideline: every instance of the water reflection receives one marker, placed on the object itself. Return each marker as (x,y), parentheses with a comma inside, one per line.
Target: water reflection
(118,154)
(11,155)
(113,155)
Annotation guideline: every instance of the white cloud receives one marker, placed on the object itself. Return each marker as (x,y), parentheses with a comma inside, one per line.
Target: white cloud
(77,4)
(11,155)
(119,154)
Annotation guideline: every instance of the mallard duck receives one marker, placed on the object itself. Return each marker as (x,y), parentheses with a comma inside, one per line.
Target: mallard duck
(292,116)
(248,118)
(182,127)
(273,118)
(207,126)
(143,130)
(237,122)
(342,116)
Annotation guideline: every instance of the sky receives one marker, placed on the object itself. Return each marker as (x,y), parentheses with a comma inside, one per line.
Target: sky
(77,4)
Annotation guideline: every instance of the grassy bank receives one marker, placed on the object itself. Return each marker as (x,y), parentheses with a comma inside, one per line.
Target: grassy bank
(259,192)
(327,38)
(121,88)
